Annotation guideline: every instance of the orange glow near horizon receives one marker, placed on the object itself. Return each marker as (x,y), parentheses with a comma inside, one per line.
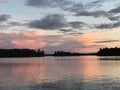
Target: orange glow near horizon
(87,41)
(89,38)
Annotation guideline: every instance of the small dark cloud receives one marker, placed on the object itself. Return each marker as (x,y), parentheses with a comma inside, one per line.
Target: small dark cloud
(104,26)
(74,33)
(108,25)
(114,18)
(74,7)
(96,3)
(70,32)
(107,41)
(66,30)
(77,24)
(4,18)
(91,13)
(51,22)
(117,24)
(14,23)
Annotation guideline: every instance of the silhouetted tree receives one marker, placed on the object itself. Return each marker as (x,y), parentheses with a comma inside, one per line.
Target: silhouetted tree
(109,52)
(21,53)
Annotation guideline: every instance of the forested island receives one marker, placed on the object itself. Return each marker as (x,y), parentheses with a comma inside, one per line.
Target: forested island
(63,53)
(21,53)
(109,52)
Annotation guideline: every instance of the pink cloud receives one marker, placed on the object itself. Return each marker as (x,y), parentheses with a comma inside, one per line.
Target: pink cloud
(32,33)
(50,43)
(18,40)
(28,44)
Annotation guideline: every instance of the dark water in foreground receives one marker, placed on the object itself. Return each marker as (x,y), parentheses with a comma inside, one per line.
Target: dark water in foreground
(60,73)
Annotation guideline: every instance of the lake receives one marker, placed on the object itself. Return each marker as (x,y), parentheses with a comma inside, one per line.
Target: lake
(60,73)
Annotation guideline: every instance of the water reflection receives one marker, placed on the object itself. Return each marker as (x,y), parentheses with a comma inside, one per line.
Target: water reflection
(13,73)
(60,73)
(28,72)
(109,58)
(89,68)
(111,69)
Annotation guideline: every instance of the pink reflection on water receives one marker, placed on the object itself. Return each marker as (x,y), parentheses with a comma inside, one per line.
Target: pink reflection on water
(29,72)
(89,68)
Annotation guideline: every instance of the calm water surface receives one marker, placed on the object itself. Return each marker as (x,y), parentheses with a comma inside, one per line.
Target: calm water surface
(60,73)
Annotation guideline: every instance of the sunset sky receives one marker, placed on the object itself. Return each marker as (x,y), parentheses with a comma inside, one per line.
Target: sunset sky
(70,25)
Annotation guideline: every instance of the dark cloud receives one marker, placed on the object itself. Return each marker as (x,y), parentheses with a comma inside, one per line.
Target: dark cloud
(108,25)
(4,18)
(104,26)
(14,24)
(91,9)
(80,9)
(66,30)
(88,9)
(115,10)
(96,3)
(67,4)
(74,7)
(91,13)
(113,14)
(77,9)
(47,3)
(77,24)
(107,41)
(70,31)
(74,33)
(54,21)
(117,24)
(57,22)
(114,18)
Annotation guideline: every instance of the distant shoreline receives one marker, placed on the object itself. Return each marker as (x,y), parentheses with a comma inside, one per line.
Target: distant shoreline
(28,53)
(49,55)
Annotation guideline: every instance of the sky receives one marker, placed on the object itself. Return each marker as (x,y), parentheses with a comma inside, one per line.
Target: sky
(71,25)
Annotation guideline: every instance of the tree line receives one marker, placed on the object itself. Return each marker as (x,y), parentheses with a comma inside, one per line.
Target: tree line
(63,53)
(21,53)
(109,52)
(39,53)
